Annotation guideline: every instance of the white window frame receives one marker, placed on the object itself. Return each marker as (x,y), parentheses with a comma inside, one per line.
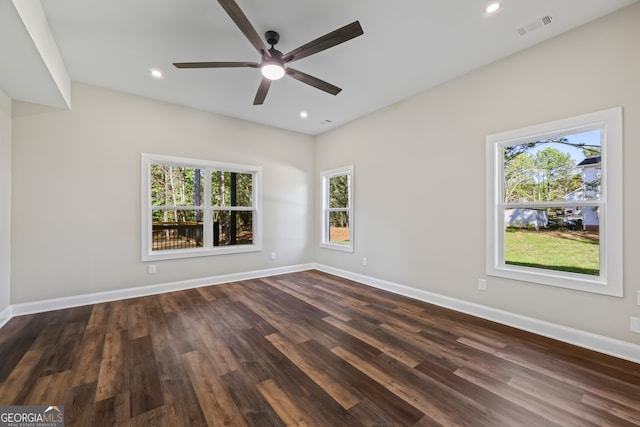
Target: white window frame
(325,178)
(610,280)
(208,249)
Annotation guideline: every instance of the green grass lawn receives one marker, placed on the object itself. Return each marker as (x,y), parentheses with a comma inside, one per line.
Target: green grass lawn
(573,251)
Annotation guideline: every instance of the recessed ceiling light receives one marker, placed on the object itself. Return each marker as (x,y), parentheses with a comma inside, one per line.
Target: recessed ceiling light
(492,7)
(304,114)
(156,74)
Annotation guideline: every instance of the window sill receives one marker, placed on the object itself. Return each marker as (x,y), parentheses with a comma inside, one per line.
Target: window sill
(578,282)
(200,252)
(337,247)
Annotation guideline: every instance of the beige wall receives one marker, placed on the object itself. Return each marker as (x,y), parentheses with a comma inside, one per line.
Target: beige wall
(420,172)
(5,201)
(76,191)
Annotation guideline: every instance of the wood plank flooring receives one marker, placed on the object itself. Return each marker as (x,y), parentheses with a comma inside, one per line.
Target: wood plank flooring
(304,349)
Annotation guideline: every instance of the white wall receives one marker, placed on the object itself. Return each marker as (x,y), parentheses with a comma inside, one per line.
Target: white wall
(419,189)
(5,203)
(76,191)
(420,173)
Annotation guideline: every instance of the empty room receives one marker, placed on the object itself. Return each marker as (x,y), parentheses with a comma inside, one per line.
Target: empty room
(285,213)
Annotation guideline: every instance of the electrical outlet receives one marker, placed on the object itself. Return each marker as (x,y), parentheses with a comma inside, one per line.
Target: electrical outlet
(152,269)
(482,284)
(364,261)
(635,324)
(273,255)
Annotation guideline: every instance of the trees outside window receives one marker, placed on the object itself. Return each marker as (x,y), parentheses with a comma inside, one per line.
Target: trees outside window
(195,207)
(554,203)
(337,209)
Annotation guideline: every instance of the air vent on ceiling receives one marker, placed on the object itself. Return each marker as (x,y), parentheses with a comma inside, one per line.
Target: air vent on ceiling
(535,25)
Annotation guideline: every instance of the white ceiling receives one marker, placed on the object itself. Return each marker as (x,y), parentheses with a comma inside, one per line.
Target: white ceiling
(407,47)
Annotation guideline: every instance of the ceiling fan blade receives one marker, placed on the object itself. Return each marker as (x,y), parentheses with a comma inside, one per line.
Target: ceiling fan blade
(331,39)
(313,81)
(262,91)
(241,20)
(215,64)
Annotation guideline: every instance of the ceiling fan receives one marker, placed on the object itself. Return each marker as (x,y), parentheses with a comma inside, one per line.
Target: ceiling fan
(273,61)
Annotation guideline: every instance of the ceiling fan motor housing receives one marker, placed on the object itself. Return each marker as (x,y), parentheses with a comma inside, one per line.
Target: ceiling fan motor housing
(272,37)
(276,56)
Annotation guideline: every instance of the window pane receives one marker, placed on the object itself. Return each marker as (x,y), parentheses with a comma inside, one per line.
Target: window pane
(553,239)
(563,168)
(176,229)
(339,191)
(339,227)
(232,228)
(176,186)
(231,189)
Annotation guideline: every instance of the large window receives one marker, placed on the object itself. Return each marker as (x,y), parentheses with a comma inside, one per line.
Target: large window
(337,209)
(196,208)
(554,203)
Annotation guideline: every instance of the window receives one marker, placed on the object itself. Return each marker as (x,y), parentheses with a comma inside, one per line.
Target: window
(554,203)
(195,208)
(337,209)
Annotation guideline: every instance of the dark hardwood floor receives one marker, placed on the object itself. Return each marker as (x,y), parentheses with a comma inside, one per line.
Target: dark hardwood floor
(304,349)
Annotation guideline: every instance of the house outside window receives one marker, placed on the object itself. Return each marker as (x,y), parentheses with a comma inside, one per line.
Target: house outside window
(591,189)
(554,203)
(196,208)
(337,209)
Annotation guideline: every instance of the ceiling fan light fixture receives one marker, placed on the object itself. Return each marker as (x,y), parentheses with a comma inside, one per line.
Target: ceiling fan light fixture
(272,71)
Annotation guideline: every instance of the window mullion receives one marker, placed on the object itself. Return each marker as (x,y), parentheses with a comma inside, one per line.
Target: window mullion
(238,208)
(175,208)
(552,204)
(207,219)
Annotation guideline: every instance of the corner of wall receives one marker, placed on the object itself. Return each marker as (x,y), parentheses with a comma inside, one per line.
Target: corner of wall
(5,207)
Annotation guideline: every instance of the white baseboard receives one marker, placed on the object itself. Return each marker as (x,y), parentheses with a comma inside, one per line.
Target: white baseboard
(599,343)
(5,316)
(99,297)
(602,344)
